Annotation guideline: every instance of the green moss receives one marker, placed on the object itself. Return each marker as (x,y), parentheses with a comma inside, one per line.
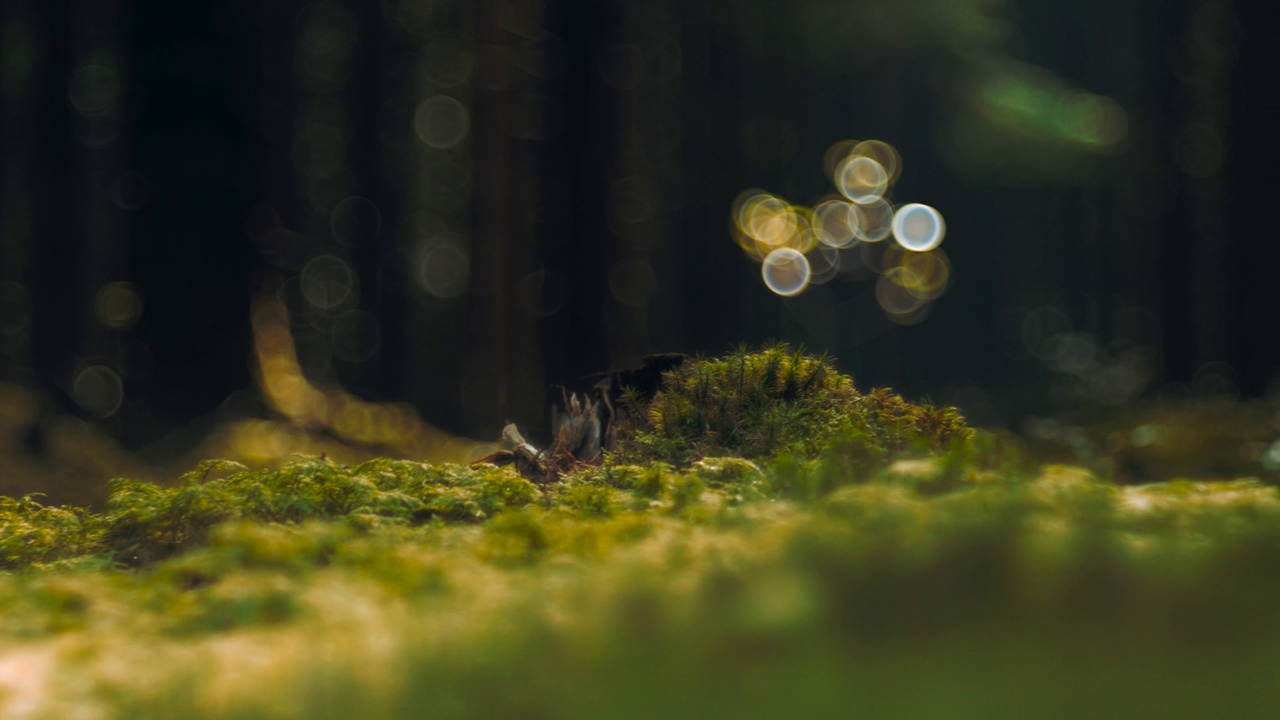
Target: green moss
(144,522)
(881,557)
(237,601)
(644,481)
(470,494)
(757,404)
(727,471)
(516,538)
(885,592)
(685,491)
(33,535)
(590,499)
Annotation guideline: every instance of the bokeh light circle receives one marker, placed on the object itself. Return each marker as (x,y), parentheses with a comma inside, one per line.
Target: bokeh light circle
(930,271)
(824,264)
(861,179)
(94,89)
(786,271)
(803,237)
(444,270)
(883,153)
(441,122)
(355,221)
(327,281)
(896,293)
(918,227)
(873,221)
(833,223)
(118,305)
(769,220)
(99,390)
(840,236)
(835,155)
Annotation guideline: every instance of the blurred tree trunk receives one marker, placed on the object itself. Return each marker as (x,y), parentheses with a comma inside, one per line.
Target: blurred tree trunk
(503,373)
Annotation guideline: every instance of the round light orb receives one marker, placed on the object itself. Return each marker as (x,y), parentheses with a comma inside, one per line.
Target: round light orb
(771,221)
(824,264)
(873,221)
(444,268)
(441,122)
(99,390)
(918,227)
(833,223)
(118,305)
(896,292)
(861,179)
(327,281)
(786,272)
(883,153)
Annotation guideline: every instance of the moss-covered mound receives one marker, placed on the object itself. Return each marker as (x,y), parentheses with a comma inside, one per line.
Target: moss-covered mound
(757,404)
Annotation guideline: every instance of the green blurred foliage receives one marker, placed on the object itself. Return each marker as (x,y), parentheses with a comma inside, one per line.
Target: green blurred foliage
(999,118)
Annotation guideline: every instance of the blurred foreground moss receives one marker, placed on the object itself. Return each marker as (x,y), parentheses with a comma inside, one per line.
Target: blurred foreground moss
(848,573)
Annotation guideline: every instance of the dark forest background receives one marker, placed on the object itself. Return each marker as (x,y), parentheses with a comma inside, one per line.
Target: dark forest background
(270,210)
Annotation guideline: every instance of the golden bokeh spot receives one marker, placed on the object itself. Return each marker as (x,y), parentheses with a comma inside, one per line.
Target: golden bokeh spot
(883,153)
(899,295)
(874,220)
(771,221)
(833,223)
(805,238)
(895,291)
(118,305)
(835,155)
(824,264)
(861,179)
(840,235)
(928,273)
(763,222)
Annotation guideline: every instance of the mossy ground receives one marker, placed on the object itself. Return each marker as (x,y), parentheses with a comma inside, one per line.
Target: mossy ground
(839,554)
(758,404)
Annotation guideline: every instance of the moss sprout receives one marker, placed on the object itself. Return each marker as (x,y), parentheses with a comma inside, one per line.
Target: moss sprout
(591,499)
(33,535)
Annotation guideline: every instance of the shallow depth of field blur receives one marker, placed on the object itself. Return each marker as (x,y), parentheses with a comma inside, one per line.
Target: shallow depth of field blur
(768,539)
(356,233)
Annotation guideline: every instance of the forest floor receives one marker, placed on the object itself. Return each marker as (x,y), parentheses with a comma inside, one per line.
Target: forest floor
(766,541)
